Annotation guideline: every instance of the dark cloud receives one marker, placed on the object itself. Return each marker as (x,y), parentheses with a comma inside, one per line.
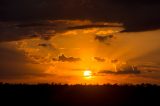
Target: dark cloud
(120,72)
(136,15)
(103,38)
(150,68)
(26,19)
(123,69)
(7,54)
(46,45)
(42,24)
(99,59)
(114,61)
(10,32)
(54,59)
(20,71)
(68,59)
(63,58)
(91,26)
(14,65)
(43,44)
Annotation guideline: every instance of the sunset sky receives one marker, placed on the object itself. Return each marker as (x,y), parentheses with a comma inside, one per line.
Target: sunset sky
(80,41)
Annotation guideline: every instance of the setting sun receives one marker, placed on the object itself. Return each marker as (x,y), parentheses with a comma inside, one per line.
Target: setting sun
(87,73)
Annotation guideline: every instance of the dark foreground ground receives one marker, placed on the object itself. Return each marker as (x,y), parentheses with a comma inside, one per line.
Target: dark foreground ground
(78,95)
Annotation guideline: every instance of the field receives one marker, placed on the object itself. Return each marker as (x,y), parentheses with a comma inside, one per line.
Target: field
(78,95)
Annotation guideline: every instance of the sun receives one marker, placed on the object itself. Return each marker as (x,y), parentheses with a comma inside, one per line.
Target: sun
(87,73)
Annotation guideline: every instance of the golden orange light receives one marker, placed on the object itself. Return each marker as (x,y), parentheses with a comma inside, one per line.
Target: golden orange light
(87,73)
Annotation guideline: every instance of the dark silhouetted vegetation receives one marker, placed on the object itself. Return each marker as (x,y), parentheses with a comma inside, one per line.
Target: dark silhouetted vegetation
(78,95)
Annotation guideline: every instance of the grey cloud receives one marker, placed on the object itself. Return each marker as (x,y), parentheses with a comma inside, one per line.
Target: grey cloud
(25,19)
(99,59)
(14,65)
(38,24)
(105,39)
(18,71)
(68,59)
(120,72)
(136,15)
(10,32)
(46,45)
(91,26)
(114,61)
(124,69)
(43,45)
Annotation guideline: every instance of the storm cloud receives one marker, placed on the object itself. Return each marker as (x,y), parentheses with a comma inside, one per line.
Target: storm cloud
(120,72)
(22,68)
(12,31)
(103,38)
(67,59)
(25,19)
(99,59)
(134,14)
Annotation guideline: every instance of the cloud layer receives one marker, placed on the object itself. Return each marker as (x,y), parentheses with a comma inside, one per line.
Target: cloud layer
(68,59)
(136,15)
(45,29)
(14,65)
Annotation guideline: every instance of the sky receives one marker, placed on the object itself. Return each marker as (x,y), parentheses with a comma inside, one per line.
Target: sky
(45,41)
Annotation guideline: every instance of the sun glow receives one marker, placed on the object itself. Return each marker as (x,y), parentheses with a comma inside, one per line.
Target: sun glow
(87,73)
